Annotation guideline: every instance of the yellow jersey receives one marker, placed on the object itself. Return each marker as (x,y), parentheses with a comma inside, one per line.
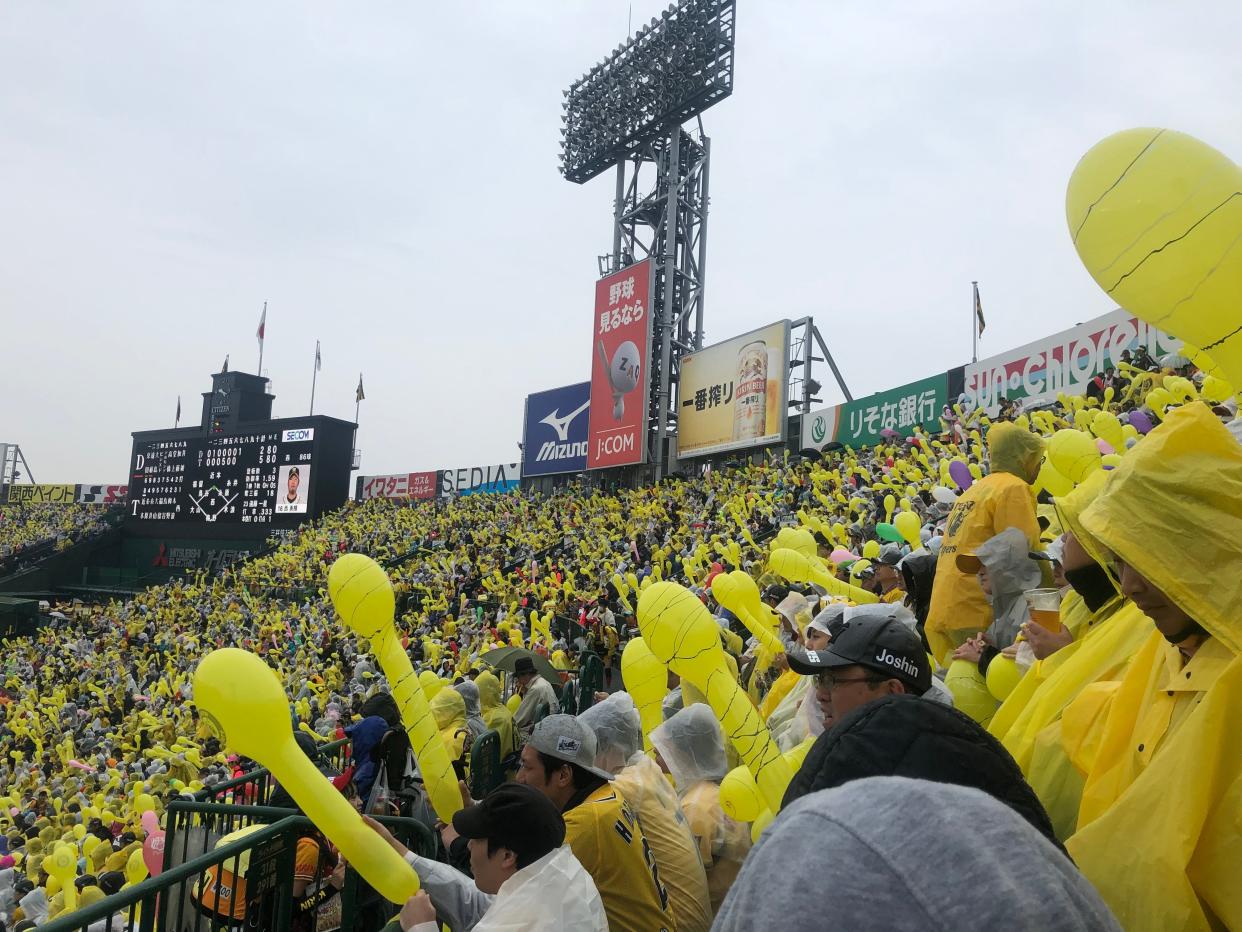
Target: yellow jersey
(604,835)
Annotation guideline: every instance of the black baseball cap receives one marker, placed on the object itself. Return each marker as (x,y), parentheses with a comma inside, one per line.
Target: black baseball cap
(516,817)
(883,645)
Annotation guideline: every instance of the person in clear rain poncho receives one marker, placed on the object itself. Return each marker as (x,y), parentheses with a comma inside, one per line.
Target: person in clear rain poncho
(692,746)
(619,749)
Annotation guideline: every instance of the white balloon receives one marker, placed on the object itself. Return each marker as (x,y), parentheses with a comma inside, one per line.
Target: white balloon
(943,495)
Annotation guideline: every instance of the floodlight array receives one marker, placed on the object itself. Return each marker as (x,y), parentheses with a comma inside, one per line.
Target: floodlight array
(672,69)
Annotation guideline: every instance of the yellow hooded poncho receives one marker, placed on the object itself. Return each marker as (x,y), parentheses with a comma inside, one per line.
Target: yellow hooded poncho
(449,709)
(1161,812)
(1029,721)
(495,715)
(1000,500)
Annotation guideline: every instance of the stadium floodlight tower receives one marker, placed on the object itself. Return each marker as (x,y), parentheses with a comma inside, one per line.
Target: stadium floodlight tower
(628,111)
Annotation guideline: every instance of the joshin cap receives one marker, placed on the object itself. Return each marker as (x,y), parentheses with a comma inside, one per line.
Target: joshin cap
(565,738)
(883,645)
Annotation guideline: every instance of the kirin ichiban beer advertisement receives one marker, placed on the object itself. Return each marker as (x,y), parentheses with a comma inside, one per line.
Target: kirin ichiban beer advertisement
(620,348)
(732,395)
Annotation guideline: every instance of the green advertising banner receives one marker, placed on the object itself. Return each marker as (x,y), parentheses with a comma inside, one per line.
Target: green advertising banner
(860,423)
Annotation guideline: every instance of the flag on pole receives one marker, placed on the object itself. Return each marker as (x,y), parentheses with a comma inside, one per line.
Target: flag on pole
(979,311)
(178,420)
(359,395)
(318,358)
(262,331)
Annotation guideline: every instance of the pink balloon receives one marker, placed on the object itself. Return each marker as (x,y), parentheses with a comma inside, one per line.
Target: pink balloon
(841,555)
(79,765)
(153,853)
(1104,446)
(150,822)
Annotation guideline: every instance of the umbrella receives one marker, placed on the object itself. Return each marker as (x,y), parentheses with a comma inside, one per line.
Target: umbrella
(504,658)
(1174,361)
(810,453)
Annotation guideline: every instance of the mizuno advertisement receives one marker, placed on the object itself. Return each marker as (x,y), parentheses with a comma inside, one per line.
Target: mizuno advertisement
(555,438)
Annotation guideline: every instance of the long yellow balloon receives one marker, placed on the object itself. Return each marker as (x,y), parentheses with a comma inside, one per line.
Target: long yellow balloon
(363,597)
(731,591)
(244,702)
(678,629)
(646,680)
(796,566)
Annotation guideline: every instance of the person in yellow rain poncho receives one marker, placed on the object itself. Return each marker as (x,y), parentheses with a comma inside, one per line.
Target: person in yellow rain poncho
(449,709)
(692,746)
(1108,630)
(1002,499)
(1159,824)
(619,750)
(495,715)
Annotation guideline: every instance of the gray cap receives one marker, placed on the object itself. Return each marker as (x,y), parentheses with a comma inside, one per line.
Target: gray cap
(565,738)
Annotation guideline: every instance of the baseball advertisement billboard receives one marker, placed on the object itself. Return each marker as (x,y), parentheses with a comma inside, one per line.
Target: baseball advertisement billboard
(1064,362)
(555,437)
(401,485)
(620,350)
(732,395)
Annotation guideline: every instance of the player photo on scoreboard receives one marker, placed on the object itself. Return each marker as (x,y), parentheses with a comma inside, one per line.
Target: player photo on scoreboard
(292,488)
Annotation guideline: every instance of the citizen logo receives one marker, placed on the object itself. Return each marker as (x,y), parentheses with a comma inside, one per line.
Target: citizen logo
(901,663)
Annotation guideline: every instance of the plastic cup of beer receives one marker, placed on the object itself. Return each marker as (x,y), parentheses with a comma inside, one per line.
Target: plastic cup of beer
(1045,607)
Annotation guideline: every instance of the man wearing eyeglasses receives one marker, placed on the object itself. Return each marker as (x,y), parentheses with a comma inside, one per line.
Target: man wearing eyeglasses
(868,658)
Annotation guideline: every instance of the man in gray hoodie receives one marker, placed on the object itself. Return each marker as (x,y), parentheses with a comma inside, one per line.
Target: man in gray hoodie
(907,856)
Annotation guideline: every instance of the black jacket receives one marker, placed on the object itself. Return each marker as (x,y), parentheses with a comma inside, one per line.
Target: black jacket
(903,736)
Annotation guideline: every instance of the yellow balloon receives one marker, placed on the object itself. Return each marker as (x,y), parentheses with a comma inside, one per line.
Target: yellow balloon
(757,827)
(738,593)
(1073,454)
(1155,217)
(245,705)
(362,595)
(62,864)
(970,692)
(1158,399)
(144,802)
(135,867)
(1002,677)
(678,628)
(796,538)
(1108,428)
(739,795)
(796,567)
(513,702)
(909,527)
(646,680)
(89,843)
(79,831)
(890,502)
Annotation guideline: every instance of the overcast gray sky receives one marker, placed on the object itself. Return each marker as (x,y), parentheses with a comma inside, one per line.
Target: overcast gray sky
(384,175)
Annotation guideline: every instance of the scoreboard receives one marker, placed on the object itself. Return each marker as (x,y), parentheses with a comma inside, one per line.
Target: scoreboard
(273,474)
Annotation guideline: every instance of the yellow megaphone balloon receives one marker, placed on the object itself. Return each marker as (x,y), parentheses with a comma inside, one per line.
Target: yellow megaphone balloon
(1155,217)
(799,568)
(246,706)
(739,795)
(678,629)
(363,597)
(646,680)
(738,593)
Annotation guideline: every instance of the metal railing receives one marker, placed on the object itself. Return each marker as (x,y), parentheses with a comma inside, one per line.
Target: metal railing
(246,883)
(255,787)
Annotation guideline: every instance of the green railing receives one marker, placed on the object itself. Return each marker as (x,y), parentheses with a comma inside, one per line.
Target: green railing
(255,787)
(201,881)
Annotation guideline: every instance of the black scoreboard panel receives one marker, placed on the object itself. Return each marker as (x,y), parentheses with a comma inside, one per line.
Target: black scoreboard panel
(275,474)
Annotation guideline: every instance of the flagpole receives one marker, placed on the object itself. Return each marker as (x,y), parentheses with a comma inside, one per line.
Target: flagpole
(263,326)
(314,377)
(974,323)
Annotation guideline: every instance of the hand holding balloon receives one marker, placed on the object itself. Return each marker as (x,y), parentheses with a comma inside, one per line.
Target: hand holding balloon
(245,704)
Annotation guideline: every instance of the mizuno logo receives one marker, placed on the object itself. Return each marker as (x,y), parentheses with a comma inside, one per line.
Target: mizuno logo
(561,424)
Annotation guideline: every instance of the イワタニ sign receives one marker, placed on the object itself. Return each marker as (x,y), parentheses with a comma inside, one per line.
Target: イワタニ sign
(620,350)
(732,395)
(555,437)
(401,485)
(1064,362)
